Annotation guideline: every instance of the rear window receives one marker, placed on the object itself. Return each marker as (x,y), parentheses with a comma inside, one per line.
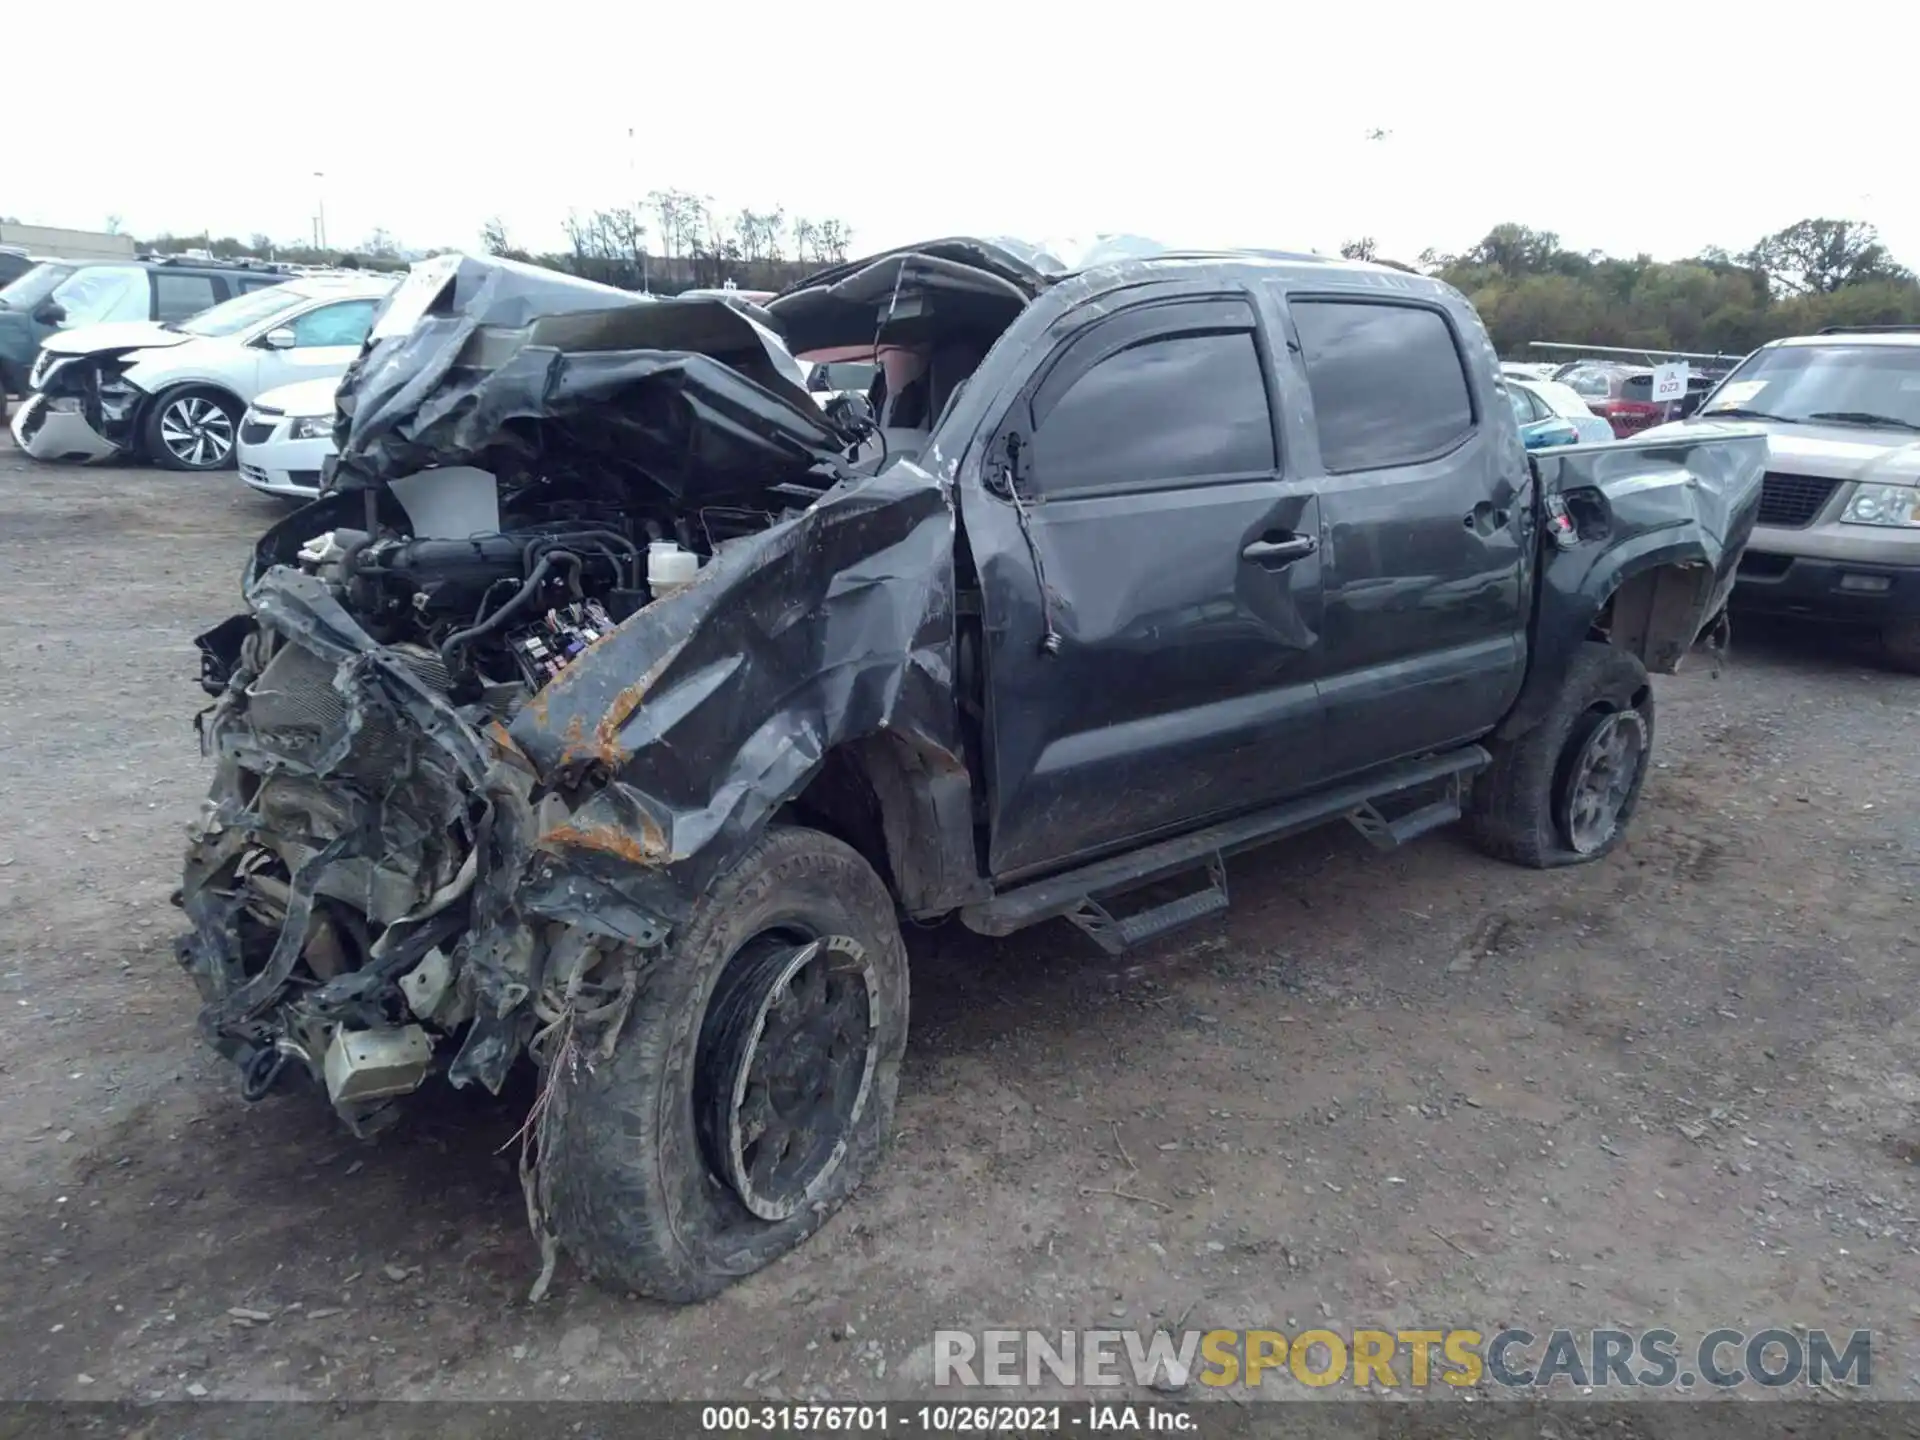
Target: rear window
(1638,388)
(1388,383)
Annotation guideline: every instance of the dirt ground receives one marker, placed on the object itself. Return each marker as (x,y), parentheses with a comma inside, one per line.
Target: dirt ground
(1676,1088)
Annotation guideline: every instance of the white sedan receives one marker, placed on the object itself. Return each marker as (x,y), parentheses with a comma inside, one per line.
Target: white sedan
(1550,398)
(286,436)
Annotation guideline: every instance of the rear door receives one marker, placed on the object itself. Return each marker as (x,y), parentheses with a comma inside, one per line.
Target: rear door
(1150,584)
(1424,508)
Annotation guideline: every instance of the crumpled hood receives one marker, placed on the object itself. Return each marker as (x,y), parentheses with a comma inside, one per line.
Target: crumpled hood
(124,335)
(500,362)
(1832,452)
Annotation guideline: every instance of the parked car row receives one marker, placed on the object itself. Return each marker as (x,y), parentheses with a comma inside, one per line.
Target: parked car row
(55,295)
(174,393)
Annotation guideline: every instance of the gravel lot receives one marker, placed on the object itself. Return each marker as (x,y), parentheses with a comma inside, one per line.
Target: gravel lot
(1676,1088)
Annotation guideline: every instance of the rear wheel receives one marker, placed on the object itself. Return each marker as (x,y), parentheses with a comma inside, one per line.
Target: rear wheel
(192,429)
(1563,792)
(752,1086)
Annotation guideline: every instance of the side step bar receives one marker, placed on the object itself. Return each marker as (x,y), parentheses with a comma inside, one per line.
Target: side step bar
(1077,893)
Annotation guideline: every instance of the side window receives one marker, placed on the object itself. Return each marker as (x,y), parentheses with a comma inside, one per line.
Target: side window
(250,283)
(344,324)
(1526,407)
(177,297)
(1388,384)
(1172,406)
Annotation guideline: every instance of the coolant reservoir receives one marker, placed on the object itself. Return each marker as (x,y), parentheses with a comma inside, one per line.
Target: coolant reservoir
(669,568)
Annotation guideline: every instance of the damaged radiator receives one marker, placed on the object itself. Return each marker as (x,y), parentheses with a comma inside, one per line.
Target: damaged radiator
(294,701)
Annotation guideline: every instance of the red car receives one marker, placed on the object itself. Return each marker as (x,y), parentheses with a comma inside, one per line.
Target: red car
(1622,395)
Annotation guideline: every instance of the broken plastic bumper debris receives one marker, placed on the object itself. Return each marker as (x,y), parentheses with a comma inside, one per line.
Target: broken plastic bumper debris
(54,428)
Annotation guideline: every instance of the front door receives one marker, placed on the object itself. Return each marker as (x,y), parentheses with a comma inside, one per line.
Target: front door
(325,342)
(1424,499)
(1150,585)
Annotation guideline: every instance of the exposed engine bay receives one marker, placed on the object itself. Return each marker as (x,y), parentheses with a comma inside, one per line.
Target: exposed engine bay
(505,610)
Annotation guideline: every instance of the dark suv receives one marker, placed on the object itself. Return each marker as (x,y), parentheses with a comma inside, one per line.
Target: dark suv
(60,294)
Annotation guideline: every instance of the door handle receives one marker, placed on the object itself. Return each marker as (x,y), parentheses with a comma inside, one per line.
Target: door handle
(1280,552)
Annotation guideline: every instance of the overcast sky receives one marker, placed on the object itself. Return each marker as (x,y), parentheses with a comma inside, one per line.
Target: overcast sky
(1622,126)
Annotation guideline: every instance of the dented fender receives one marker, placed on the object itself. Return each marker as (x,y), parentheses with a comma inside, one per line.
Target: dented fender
(693,723)
(1659,529)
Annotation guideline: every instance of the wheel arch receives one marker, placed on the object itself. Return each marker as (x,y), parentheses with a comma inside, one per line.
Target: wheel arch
(907,809)
(1651,599)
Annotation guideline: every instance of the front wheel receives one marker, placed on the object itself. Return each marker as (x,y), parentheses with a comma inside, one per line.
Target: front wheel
(192,429)
(1563,792)
(752,1087)
(1900,645)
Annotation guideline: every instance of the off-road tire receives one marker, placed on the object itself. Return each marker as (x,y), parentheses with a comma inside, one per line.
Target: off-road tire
(155,448)
(631,1194)
(1512,812)
(1900,646)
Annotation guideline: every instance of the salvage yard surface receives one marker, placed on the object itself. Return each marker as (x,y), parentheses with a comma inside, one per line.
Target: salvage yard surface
(1678,1088)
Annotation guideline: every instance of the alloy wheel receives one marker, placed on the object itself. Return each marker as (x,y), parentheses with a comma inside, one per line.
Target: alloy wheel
(197,432)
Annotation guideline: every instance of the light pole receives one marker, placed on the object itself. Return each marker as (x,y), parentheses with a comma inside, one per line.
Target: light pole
(320,211)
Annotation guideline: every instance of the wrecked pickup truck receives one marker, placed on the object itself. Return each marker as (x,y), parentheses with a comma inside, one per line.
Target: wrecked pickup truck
(616,701)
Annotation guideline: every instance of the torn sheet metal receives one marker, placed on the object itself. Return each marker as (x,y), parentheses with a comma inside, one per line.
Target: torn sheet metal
(505,363)
(710,709)
(1688,499)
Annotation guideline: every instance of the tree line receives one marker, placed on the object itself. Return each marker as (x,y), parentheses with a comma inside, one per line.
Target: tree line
(1525,283)
(675,240)
(1812,274)
(671,240)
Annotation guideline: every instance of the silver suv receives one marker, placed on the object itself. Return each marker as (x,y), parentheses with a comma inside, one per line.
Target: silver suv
(1839,530)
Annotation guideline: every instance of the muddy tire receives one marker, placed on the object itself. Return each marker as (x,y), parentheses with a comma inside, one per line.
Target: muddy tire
(1563,792)
(654,1158)
(1900,646)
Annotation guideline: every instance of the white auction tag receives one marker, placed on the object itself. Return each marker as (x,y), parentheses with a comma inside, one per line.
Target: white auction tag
(1670,382)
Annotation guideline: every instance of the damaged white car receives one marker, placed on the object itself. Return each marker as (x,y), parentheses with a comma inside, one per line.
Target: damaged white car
(175,393)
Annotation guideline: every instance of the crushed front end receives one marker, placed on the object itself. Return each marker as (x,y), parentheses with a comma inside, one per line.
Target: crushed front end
(573,620)
(340,917)
(82,407)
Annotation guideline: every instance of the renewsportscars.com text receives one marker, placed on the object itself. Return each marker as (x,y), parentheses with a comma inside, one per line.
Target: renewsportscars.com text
(1459,1357)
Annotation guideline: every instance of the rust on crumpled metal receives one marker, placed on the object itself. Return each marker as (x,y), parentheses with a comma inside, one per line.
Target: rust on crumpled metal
(647,847)
(603,746)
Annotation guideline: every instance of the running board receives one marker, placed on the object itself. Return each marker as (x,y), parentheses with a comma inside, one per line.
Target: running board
(1117,936)
(1069,893)
(1384,834)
